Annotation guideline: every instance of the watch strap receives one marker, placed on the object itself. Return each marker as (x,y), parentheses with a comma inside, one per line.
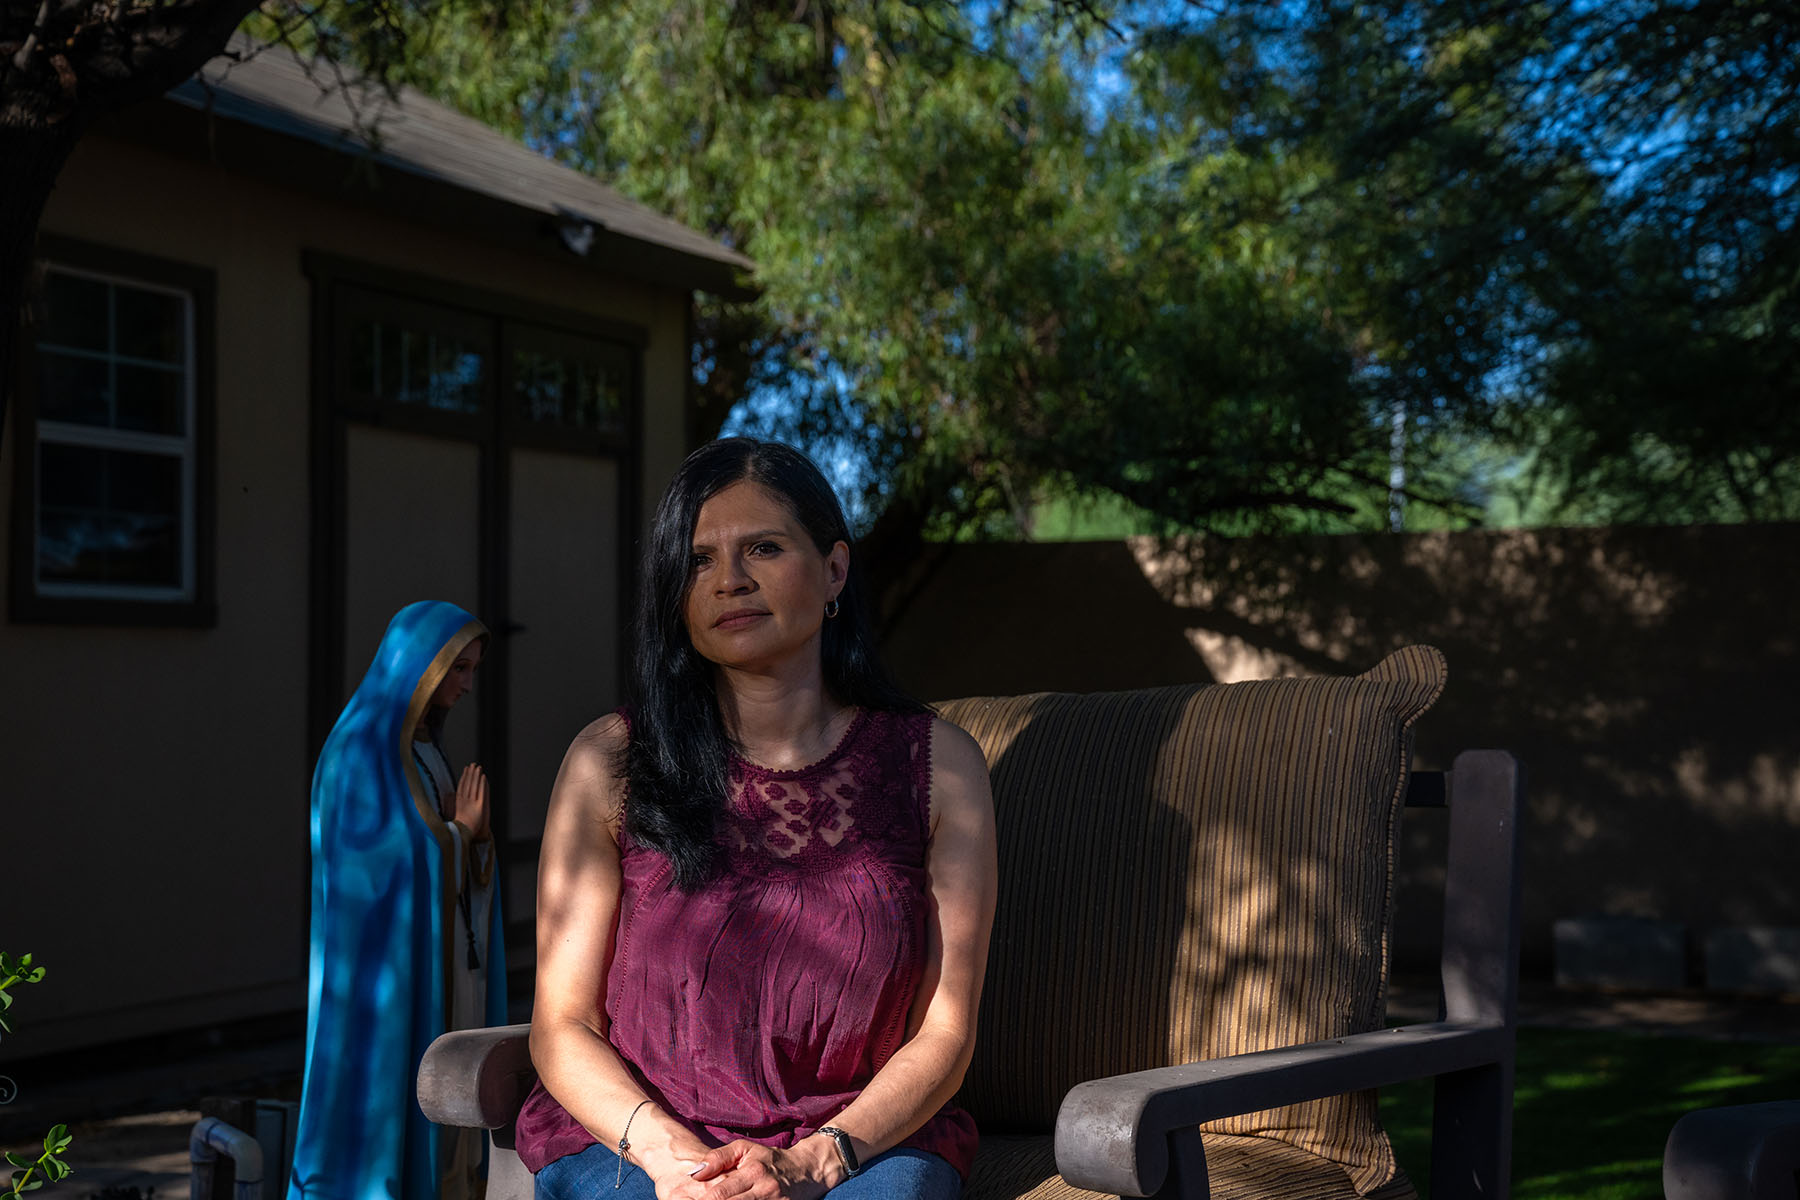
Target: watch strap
(845,1147)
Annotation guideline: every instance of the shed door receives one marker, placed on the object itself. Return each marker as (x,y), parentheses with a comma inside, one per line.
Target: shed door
(413,533)
(473,450)
(563,655)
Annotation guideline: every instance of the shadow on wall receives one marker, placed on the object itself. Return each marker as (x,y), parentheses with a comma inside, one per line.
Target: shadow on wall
(1005,619)
(1643,675)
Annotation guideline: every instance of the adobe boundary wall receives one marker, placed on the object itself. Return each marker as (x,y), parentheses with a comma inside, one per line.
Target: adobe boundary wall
(1645,676)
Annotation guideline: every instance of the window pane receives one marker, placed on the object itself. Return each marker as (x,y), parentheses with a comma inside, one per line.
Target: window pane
(538,383)
(599,395)
(362,362)
(97,369)
(72,477)
(569,380)
(456,374)
(151,399)
(74,388)
(136,551)
(75,312)
(413,369)
(405,362)
(109,516)
(150,325)
(391,377)
(143,485)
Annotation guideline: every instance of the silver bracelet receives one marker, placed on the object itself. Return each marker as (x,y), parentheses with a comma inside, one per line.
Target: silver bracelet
(625,1144)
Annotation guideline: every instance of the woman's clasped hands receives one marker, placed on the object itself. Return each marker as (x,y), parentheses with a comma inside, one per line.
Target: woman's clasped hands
(751,1171)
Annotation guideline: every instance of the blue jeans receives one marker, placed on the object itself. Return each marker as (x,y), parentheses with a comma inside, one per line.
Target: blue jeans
(901,1174)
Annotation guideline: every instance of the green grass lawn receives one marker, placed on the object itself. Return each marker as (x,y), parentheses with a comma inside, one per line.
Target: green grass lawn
(1592,1110)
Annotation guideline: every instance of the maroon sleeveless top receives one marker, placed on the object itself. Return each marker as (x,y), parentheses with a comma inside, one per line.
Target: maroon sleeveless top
(761,1005)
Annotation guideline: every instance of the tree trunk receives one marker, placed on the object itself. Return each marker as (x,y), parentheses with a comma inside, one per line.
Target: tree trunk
(62,68)
(897,562)
(33,158)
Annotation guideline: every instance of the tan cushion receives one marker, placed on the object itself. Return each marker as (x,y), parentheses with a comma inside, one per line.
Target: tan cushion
(1192,872)
(1237,1168)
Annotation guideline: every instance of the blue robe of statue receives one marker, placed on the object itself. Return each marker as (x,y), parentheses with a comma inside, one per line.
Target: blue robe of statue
(384,900)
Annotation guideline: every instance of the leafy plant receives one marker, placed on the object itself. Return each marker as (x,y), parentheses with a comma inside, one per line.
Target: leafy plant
(14,970)
(30,1174)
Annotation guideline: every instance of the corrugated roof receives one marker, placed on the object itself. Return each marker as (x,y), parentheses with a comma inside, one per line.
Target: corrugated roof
(270,88)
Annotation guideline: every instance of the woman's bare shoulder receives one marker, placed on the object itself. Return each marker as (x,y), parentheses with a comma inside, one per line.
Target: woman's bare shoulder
(590,771)
(962,800)
(956,757)
(603,735)
(951,744)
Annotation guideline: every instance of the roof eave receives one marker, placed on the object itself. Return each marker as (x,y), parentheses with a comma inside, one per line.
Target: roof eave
(363,178)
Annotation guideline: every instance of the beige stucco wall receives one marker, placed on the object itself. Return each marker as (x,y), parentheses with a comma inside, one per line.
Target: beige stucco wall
(153,802)
(1644,676)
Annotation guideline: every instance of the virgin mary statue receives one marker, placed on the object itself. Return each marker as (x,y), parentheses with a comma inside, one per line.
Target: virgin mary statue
(406,930)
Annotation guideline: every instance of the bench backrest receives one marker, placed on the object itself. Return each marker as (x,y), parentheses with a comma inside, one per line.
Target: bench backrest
(1192,872)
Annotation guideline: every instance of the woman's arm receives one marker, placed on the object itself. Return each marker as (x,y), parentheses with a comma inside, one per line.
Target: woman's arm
(928,1068)
(579,885)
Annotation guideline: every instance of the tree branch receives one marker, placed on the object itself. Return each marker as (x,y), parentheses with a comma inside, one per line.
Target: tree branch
(23,57)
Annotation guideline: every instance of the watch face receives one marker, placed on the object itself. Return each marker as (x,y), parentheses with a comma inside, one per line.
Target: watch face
(845,1147)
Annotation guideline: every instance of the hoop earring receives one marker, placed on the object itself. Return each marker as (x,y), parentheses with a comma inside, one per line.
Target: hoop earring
(831,608)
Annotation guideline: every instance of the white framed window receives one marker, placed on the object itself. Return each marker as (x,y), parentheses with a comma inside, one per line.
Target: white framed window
(112,503)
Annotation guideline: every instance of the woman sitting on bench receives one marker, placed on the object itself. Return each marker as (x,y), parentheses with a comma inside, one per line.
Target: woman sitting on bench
(767,884)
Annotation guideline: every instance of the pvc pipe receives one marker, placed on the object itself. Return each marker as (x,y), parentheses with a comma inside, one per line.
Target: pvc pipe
(213,1137)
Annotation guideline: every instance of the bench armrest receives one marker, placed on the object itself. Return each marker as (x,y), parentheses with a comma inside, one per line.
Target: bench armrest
(1747,1150)
(1112,1135)
(477,1078)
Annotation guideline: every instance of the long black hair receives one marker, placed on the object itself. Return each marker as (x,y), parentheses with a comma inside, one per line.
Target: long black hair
(678,757)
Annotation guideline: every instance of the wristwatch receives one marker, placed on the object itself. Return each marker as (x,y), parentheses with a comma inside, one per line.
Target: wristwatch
(845,1147)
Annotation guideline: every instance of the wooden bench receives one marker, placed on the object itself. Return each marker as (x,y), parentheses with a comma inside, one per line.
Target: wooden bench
(1186,990)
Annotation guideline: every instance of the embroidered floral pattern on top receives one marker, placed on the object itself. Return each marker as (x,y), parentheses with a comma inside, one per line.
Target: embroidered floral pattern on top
(870,785)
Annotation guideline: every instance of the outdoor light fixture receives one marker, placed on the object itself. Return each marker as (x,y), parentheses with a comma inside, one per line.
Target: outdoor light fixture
(575,230)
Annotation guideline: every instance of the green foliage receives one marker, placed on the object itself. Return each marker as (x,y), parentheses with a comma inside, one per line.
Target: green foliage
(1009,288)
(1061,519)
(29,1173)
(1192,259)
(1598,201)
(14,971)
